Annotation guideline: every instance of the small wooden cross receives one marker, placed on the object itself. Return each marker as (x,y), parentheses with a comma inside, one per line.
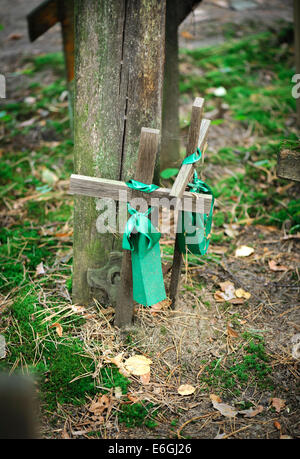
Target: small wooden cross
(179,198)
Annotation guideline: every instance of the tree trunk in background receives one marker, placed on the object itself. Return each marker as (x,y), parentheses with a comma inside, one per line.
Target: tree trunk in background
(119,59)
(170,143)
(176,12)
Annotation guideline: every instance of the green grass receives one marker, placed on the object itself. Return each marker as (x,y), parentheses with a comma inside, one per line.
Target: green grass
(248,369)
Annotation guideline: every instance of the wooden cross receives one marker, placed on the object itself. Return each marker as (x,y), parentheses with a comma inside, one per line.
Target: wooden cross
(45,16)
(177,196)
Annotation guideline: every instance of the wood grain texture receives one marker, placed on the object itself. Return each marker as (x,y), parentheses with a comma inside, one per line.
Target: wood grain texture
(194,139)
(119,58)
(119,191)
(144,173)
(186,170)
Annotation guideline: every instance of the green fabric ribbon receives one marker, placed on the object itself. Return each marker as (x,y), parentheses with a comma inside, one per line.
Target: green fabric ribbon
(141,238)
(196,227)
(193,158)
(139,223)
(139,186)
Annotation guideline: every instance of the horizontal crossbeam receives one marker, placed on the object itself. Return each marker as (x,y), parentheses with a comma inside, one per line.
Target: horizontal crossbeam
(119,191)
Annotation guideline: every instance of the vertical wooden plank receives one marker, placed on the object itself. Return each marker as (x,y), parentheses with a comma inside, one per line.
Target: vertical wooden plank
(170,138)
(119,56)
(144,173)
(192,144)
(297,47)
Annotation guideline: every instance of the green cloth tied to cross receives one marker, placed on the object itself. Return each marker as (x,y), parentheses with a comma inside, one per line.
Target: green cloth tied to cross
(142,239)
(196,227)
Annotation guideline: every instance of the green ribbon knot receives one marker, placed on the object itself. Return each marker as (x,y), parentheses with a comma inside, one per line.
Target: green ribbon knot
(193,158)
(139,223)
(139,186)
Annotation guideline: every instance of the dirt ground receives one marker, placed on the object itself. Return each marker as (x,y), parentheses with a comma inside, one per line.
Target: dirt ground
(177,340)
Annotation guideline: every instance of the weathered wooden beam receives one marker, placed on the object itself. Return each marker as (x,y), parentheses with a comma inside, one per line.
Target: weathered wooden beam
(297,48)
(193,142)
(42,18)
(147,154)
(186,170)
(119,191)
(288,164)
(119,58)
(45,16)
(193,139)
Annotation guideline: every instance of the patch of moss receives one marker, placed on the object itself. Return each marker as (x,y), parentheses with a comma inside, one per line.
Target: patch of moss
(57,361)
(252,369)
(137,414)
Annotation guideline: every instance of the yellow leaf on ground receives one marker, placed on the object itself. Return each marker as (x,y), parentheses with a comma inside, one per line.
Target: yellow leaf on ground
(244,251)
(138,365)
(186,389)
(240,293)
(58,328)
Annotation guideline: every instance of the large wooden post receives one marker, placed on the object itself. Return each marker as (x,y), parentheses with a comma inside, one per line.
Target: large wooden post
(176,12)
(119,57)
(297,47)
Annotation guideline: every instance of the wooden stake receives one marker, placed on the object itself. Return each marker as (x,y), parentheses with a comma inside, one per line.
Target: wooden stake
(193,142)
(144,173)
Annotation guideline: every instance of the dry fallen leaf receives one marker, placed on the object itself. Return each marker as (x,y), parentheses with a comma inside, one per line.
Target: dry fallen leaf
(118,361)
(187,35)
(277,425)
(215,398)
(237,301)
(227,293)
(244,251)
(39,270)
(277,403)
(240,293)
(226,410)
(275,267)
(101,404)
(145,379)
(15,36)
(231,332)
(251,412)
(186,389)
(2,347)
(58,328)
(118,392)
(78,309)
(296,351)
(138,365)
